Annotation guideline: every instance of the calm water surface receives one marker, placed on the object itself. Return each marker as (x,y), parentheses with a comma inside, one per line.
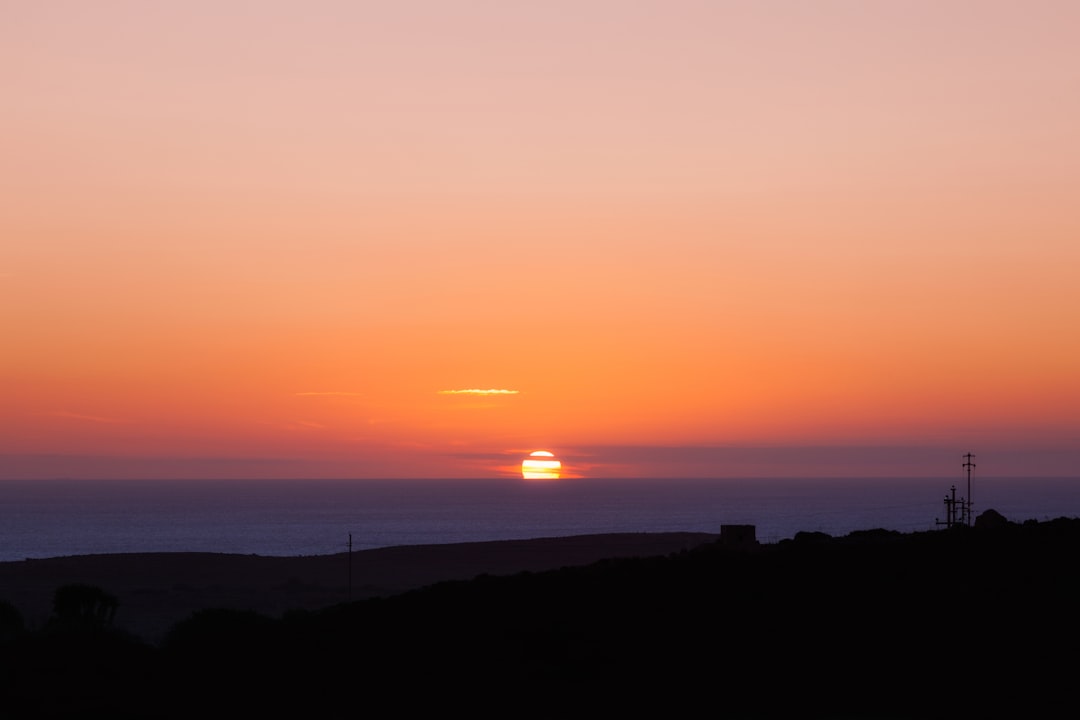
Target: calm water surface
(316,517)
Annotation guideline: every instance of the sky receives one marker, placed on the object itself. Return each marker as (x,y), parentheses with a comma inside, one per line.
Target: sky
(676,238)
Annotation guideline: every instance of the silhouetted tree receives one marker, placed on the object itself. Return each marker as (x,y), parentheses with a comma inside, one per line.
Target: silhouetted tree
(80,606)
(11,621)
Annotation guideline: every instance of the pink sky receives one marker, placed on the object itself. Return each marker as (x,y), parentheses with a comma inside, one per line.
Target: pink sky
(693,238)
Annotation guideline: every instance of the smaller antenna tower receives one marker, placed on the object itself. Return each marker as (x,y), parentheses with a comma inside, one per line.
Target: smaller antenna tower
(968,465)
(953,509)
(958,511)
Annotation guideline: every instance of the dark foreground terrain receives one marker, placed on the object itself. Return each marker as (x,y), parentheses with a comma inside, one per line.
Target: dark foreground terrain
(959,622)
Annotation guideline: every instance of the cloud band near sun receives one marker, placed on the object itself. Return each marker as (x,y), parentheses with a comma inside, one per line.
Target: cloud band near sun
(477,391)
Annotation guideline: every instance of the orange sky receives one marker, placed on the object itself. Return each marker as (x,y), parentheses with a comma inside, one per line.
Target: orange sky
(706,238)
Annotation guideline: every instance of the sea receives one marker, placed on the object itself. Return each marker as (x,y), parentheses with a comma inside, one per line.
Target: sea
(54,518)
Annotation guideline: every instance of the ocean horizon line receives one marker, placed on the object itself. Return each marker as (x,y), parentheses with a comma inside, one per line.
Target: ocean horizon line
(287,517)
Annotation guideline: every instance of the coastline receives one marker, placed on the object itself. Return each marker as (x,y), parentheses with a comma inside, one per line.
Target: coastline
(849,626)
(158,589)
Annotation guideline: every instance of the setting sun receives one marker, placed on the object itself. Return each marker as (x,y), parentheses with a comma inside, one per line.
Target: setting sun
(327,249)
(541,465)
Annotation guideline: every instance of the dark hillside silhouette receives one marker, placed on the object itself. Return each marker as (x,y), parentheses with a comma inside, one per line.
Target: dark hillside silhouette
(873,624)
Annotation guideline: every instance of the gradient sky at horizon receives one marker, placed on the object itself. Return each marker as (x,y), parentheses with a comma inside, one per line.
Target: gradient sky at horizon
(675,238)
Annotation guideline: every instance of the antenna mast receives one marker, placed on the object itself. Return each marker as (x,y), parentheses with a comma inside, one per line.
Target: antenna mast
(968,465)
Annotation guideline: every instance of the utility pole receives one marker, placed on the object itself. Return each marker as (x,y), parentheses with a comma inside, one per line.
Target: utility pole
(968,465)
(950,509)
(349,592)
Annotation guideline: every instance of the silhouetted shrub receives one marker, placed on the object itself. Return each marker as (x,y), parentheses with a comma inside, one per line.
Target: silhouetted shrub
(818,538)
(11,621)
(84,607)
(226,631)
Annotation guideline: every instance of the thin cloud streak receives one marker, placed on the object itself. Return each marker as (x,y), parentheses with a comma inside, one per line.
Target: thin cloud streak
(476,391)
